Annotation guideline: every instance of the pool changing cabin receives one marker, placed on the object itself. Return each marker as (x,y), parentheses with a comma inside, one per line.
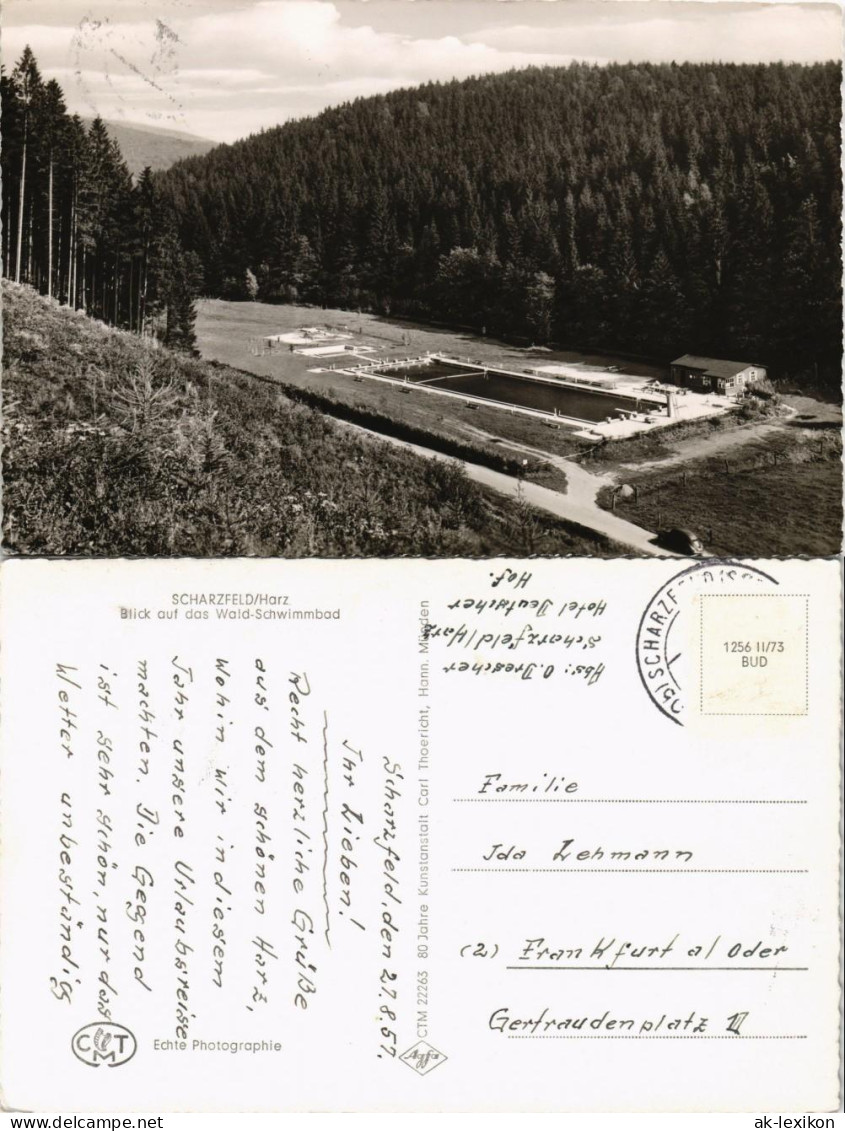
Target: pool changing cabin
(714,375)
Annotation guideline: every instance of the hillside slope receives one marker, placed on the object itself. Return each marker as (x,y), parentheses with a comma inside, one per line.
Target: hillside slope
(651,209)
(142,145)
(114,445)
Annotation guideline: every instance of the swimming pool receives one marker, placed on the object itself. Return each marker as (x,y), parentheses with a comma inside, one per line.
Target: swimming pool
(547,396)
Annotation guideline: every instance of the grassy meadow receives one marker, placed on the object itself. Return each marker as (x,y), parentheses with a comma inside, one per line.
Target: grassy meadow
(777,497)
(225,331)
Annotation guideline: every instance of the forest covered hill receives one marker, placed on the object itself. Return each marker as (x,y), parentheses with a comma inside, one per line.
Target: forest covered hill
(656,209)
(114,444)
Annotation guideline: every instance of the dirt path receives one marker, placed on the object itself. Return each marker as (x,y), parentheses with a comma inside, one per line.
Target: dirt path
(715,443)
(577,505)
(582,486)
(703,446)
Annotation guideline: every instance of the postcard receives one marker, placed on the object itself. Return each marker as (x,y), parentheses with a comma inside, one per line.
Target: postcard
(421,519)
(466,836)
(336,279)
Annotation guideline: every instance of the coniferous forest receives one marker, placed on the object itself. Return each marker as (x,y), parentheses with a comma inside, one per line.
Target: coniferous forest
(77,227)
(654,209)
(650,209)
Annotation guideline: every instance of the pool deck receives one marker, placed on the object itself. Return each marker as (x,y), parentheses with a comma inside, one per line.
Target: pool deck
(690,406)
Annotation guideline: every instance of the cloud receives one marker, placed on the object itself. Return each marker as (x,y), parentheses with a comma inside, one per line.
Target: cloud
(298,38)
(297,53)
(663,32)
(50,44)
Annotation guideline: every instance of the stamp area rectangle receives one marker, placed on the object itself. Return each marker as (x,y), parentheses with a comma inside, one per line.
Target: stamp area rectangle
(754,654)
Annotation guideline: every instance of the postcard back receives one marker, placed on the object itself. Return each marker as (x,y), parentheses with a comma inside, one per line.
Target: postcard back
(491,835)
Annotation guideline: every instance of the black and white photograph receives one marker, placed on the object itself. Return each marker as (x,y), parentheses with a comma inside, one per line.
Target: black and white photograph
(421,278)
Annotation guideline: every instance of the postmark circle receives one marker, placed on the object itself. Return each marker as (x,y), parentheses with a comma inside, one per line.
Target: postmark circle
(662,630)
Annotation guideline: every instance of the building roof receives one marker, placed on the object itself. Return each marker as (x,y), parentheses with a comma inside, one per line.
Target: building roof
(712,366)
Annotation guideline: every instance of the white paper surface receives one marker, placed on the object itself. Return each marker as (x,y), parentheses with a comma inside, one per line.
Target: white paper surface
(541,835)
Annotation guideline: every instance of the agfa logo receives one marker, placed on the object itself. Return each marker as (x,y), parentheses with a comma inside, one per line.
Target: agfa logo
(104,1042)
(422,1057)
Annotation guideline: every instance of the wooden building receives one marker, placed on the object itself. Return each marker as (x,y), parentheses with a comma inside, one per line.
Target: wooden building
(713,374)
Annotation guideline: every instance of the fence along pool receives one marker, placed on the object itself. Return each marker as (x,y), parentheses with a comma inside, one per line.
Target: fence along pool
(547,396)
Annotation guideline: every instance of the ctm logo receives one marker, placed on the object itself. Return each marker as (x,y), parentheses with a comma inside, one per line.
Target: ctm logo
(104,1042)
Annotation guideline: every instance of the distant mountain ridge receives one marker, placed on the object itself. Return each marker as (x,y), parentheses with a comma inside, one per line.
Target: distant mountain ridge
(143,145)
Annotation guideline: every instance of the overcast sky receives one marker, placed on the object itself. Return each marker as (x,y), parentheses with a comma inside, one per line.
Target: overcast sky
(227,68)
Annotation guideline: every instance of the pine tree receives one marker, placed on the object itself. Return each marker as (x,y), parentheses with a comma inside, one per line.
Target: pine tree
(26,79)
(52,136)
(177,275)
(76,143)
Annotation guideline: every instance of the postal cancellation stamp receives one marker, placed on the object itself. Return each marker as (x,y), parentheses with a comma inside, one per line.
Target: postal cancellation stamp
(719,639)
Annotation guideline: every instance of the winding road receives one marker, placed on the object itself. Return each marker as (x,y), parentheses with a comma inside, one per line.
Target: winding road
(577,505)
